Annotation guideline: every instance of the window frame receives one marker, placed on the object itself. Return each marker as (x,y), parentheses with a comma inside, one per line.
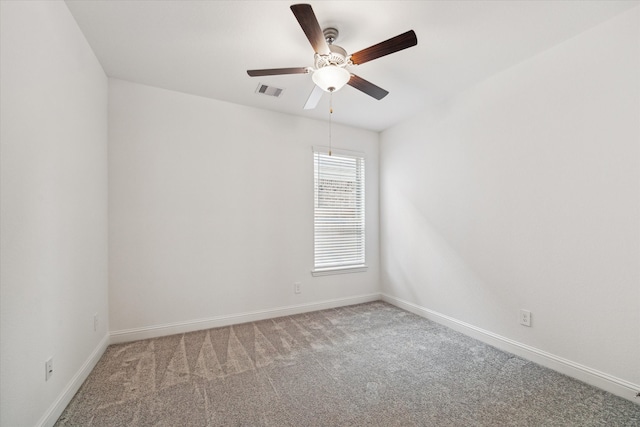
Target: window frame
(340,269)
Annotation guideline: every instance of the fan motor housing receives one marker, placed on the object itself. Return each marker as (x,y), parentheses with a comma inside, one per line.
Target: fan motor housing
(337,57)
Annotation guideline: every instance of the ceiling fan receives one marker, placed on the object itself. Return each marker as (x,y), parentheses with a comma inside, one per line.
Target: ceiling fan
(331,61)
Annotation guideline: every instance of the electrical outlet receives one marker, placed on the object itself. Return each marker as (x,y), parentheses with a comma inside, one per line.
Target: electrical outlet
(297,288)
(95,322)
(525,317)
(48,367)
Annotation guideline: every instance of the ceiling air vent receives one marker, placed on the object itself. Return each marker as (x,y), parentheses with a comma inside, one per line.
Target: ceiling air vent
(269,90)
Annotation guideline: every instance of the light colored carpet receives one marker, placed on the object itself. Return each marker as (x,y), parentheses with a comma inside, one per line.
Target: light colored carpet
(365,365)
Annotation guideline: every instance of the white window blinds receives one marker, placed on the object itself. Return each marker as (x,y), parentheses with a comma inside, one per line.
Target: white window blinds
(339,232)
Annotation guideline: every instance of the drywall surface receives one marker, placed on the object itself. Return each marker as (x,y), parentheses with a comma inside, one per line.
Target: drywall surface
(211,208)
(53,237)
(524,193)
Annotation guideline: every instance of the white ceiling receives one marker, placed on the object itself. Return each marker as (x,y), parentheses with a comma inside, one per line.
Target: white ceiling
(205,47)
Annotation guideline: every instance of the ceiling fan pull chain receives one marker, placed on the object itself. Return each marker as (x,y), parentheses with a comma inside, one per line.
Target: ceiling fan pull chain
(330,115)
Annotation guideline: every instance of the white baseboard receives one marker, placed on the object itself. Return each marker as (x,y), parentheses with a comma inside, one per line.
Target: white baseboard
(55,410)
(617,386)
(233,319)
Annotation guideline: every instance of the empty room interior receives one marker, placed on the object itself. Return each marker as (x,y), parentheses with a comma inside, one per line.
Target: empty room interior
(432,217)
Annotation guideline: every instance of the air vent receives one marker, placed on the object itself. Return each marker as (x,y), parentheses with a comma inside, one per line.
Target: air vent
(269,90)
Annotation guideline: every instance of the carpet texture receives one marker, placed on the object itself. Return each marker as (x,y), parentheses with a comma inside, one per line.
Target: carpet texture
(364,365)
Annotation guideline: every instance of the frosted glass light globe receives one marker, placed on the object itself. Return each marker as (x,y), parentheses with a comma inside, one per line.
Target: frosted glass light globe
(331,78)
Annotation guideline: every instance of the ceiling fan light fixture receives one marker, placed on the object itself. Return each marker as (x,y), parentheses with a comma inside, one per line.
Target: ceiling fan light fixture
(330,60)
(331,78)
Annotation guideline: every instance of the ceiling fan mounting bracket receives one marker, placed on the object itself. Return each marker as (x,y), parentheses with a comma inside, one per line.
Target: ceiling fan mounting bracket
(330,34)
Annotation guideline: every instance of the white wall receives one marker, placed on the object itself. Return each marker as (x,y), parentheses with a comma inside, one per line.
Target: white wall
(211,209)
(524,192)
(53,239)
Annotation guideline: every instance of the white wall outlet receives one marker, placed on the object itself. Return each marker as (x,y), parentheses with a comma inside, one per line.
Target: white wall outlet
(95,321)
(297,288)
(525,317)
(48,369)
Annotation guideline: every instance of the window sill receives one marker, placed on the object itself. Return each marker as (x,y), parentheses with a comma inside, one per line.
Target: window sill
(338,270)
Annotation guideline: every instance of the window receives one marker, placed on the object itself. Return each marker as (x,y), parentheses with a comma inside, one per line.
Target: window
(339,233)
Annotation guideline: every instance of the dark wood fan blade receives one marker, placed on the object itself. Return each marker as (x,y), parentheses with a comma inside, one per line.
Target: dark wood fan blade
(386,47)
(307,20)
(367,87)
(277,71)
